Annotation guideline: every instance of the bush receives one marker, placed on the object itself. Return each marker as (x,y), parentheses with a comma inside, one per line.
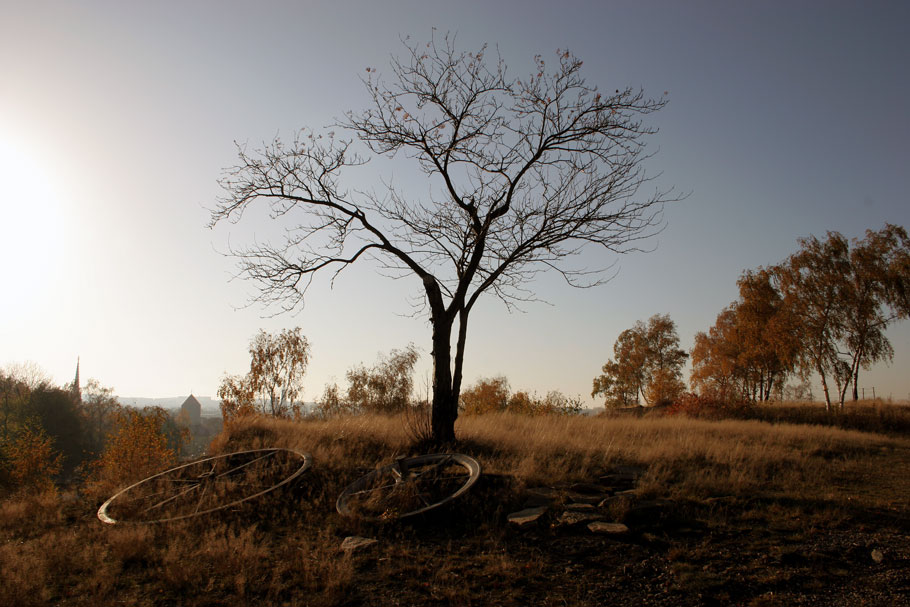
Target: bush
(492,396)
(30,458)
(486,396)
(706,407)
(137,450)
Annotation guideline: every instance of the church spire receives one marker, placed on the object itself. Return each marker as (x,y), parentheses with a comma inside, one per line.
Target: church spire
(77,388)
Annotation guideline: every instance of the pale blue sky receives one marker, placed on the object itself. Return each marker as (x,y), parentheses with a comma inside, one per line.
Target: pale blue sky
(785,119)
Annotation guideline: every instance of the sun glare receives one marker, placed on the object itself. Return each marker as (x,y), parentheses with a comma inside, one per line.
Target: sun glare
(31,227)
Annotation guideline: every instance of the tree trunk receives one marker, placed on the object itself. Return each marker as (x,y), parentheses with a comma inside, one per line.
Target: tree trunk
(824,388)
(445,401)
(459,356)
(856,360)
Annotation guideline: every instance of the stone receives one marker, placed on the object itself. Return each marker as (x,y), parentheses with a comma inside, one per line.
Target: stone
(609,501)
(581,498)
(607,528)
(544,492)
(877,555)
(526,516)
(353,542)
(574,518)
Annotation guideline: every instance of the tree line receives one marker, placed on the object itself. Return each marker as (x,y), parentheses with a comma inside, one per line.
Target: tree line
(278,362)
(54,433)
(822,311)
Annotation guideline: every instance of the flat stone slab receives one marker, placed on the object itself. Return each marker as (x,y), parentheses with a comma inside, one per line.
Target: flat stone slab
(526,516)
(582,498)
(353,542)
(574,518)
(607,528)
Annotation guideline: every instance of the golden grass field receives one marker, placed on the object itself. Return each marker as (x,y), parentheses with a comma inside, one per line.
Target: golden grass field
(724,512)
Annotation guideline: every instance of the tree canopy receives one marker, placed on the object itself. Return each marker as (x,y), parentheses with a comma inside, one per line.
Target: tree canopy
(844,294)
(823,310)
(647,361)
(274,382)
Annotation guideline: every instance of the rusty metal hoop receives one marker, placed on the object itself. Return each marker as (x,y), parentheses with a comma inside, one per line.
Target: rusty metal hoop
(204,486)
(409,487)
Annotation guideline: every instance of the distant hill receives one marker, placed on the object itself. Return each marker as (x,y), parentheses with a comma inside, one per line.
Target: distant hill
(210,406)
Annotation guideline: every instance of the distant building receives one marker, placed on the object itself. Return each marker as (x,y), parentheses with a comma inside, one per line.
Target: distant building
(75,387)
(193,410)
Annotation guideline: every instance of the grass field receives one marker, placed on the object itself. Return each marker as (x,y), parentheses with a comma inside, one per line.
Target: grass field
(741,512)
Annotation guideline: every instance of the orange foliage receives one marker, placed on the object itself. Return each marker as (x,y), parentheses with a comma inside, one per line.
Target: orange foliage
(31,458)
(492,395)
(238,399)
(693,405)
(137,449)
(486,396)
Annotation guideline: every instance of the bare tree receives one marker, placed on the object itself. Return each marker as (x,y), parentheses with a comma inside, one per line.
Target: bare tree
(524,173)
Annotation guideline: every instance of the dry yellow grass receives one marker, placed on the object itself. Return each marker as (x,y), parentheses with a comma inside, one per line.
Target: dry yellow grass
(684,456)
(285,549)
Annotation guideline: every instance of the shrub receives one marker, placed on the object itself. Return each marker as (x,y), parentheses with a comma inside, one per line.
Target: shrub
(31,461)
(138,449)
(486,396)
(706,407)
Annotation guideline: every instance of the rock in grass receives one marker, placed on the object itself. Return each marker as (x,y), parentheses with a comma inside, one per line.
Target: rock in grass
(607,528)
(573,518)
(581,498)
(545,492)
(877,555)
(353,542)
(526,516)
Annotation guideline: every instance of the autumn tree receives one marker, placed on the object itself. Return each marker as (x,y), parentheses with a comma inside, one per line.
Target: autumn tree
(524,173)
(878,293)
(647,362)
(14,396)
(813,283)
(492,395)
(715,360)
(237,398)
(845,294)
(753,346)
(332,402)
(31,459)
(386,386)
(41,427)
(137,448)
(275,379)
(487,395)
(99,409)
(623,378)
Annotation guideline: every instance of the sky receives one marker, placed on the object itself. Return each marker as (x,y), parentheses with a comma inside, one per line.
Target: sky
(785,119)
